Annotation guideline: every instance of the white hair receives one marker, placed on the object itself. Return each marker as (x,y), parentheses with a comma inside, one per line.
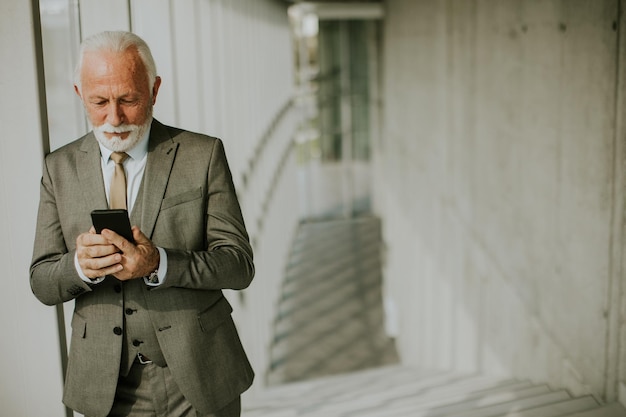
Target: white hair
(116,41)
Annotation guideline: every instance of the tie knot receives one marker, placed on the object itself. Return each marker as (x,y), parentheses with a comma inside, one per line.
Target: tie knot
(119,157)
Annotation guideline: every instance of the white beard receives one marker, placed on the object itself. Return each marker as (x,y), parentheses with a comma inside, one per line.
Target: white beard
(116,143)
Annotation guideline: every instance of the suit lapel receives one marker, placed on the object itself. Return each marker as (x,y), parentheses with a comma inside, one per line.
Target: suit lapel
(161,155)
(90,175)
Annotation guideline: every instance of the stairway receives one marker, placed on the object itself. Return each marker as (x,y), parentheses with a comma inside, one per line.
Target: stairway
(330,356)
(330,316)
(395,391)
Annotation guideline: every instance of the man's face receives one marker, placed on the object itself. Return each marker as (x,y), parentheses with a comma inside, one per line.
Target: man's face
(116,94)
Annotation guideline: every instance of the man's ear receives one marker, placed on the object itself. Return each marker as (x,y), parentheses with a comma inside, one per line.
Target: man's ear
(155,89)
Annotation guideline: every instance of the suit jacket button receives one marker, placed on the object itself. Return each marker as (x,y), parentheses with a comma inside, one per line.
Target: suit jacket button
(129,311)
(117,288)
(117,331)
(137,342)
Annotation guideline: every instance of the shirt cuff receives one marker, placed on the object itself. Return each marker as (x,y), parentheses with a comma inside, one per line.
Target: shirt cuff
(162,271)
(83,276)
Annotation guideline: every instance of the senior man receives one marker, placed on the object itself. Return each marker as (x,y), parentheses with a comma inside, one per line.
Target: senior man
(152,333)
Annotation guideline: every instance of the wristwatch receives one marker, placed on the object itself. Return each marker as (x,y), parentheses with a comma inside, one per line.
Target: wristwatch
(153,278)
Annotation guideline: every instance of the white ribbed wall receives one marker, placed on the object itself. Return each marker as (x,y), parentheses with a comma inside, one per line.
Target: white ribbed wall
(30,367)
(227,71)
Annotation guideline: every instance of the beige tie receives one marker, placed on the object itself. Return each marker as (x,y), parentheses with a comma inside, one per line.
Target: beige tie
(117,193)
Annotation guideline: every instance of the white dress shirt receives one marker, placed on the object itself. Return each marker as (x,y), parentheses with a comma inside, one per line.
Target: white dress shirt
(134,166)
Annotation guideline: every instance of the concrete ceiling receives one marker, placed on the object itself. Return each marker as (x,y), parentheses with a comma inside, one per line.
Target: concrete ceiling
(342,10)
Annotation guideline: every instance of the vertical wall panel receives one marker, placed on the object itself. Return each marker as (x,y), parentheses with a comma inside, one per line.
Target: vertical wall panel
(97,15)
(616,312)
(212,64)
(29,352)
(186,57)
(151,19)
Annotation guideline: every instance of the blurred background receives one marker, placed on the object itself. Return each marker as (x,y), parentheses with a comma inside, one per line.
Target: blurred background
(434,190)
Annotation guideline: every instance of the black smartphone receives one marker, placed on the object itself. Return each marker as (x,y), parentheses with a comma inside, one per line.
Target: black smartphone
(113,219)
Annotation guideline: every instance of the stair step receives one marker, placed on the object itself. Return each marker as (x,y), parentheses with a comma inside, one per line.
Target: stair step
(489,404)
(563,408)
(453,391)
(340,388)
(383,378)
(499,409)
(438,403)
(414,401)
(609,410)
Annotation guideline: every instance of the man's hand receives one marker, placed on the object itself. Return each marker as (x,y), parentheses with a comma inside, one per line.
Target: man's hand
(97,257)
(137,260)
(110,254)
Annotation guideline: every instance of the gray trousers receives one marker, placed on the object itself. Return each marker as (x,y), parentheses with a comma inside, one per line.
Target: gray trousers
(150,391)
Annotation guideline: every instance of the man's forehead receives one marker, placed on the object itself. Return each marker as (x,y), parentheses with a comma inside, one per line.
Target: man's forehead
(111,58)
(107,65)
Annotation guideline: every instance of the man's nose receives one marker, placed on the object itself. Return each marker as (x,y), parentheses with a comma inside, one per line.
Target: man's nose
(115,115)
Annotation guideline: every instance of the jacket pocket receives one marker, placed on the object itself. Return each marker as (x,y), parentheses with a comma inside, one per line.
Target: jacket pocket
(181,198)
(214,315)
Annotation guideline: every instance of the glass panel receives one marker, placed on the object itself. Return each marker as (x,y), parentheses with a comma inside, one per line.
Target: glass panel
(336,65)
(60,38)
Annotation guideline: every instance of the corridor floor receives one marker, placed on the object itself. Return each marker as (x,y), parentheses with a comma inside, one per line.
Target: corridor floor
(330,315)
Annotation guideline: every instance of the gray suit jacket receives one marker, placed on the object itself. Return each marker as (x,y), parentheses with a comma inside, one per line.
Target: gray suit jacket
(189,207)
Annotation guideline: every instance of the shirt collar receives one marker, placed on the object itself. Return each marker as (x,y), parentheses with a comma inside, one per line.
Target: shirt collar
(136,153)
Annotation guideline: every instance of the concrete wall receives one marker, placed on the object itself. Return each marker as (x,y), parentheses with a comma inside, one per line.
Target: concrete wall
(216,80)
(500,182)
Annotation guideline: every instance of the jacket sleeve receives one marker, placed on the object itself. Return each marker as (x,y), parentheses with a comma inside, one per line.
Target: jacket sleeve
(53,276)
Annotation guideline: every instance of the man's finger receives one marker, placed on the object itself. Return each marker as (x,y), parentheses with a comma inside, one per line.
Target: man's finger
(89,239)
(140,238)
(117,240)
(98,251)
(97,273)
(105,265)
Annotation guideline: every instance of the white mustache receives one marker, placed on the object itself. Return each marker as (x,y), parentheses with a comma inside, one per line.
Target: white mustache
(109,128)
